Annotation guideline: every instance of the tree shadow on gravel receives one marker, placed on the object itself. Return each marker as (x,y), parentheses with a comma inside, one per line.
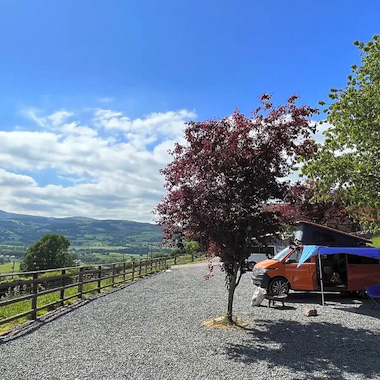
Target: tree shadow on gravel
(317,350)
(362,310)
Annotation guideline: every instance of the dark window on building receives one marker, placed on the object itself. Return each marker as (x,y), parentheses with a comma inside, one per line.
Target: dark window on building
(269,251)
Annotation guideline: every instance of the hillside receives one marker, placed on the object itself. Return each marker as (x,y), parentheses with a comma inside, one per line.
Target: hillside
(23,230)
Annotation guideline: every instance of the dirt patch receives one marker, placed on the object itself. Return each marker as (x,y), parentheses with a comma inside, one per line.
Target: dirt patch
(221,323)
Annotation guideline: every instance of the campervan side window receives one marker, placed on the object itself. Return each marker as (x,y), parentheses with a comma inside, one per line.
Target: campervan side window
(322,237)
(296,255)
(280,255)
(353,259)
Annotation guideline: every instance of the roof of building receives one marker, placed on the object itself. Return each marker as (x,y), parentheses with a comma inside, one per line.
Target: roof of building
(333,230)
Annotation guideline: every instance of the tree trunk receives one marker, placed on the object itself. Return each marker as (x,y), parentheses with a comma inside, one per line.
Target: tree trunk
(231,292)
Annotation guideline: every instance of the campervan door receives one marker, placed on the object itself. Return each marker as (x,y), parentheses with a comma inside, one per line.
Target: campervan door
(362,271)
(346,272)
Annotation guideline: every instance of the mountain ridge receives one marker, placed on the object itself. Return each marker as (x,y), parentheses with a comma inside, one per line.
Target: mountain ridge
(23,229)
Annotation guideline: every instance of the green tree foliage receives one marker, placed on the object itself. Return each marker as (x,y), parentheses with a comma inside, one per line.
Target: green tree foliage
(51,251)
(191,248)
(349,160)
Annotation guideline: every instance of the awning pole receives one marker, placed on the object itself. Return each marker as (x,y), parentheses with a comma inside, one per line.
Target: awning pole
(320,277)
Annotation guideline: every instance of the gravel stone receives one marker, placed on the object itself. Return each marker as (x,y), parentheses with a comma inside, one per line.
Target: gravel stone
(152,329)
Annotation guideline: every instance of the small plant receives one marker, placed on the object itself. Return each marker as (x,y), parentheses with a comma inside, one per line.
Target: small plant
(210,269)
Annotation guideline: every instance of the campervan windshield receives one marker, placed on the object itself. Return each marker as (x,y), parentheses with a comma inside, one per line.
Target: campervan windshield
(282,254)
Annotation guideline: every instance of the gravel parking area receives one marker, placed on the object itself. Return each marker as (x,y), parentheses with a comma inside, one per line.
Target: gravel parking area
(153,329)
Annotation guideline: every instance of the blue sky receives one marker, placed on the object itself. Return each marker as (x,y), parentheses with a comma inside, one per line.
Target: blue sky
(94,92)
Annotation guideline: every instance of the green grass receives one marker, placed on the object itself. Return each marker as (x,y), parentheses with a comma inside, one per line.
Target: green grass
(187,260)
(376,241)
(8,267)
(116,257)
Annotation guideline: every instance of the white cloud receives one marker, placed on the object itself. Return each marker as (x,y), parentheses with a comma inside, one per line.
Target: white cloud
(105,99)
(168,123)
(57,118)
(141,132)
(106,169)
(319,137)
(105,166)
(15,180)
(74,129)
(50,121)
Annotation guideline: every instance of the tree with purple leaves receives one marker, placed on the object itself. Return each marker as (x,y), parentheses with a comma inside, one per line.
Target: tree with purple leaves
(301,203)
(220,180)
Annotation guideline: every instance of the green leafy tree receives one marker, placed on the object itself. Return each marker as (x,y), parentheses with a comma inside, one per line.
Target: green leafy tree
(51,251)
(349,160)
(191,248)
(175,252)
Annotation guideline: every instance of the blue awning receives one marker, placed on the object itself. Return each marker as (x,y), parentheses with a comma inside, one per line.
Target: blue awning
(312,250)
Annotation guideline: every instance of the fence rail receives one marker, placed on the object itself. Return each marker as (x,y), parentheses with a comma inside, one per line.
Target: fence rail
(34,285)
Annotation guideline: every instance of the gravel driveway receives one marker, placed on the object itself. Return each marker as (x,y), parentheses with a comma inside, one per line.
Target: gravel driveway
(153,329)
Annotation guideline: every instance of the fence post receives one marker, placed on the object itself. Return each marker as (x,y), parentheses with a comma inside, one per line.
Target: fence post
(156,263)
(146,267)
(139,268)
(113,274)
(80,283)
(133,270)
(34,299)
(124,269)
(62,295)
(175,259)
(99,278)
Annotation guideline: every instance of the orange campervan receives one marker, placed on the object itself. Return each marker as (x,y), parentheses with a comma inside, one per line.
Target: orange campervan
(341,272)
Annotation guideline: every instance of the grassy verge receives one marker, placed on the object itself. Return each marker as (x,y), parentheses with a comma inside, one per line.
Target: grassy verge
(187,260)
(8,267)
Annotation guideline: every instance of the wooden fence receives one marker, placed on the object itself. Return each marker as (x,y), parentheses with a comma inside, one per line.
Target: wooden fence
(31,286)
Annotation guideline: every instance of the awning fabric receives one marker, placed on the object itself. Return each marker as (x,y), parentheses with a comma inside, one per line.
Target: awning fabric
(312,250)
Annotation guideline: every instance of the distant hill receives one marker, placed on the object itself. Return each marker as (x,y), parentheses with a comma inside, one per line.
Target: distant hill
(24,230)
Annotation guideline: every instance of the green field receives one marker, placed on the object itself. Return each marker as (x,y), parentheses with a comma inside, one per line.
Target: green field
(8,267)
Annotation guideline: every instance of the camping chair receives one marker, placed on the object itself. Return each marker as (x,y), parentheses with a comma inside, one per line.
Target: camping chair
(373,292)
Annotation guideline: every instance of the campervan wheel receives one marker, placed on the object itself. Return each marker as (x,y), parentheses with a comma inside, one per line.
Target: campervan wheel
(279,285)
